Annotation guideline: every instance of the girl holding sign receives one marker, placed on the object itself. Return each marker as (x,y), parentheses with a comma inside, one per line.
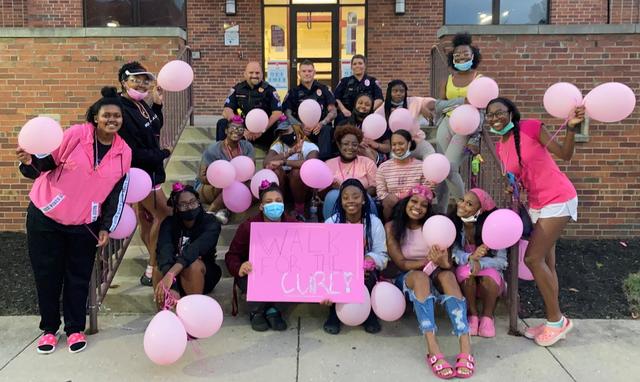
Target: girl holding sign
(479,270)
(353,208)
(424,275)
(263,315)
(525,149)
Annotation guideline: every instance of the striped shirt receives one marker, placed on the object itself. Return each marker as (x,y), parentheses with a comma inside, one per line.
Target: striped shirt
(397,178)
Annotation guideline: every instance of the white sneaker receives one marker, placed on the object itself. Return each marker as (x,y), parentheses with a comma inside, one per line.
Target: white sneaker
(222,216)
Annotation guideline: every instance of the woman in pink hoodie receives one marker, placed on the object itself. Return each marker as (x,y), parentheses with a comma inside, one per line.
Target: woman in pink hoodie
(76,200)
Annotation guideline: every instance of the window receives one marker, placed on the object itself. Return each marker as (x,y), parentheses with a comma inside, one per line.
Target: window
(135,13)
(487,12)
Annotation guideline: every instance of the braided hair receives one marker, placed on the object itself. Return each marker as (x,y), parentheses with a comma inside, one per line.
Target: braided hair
(387,99)
(341,215)
(515,118)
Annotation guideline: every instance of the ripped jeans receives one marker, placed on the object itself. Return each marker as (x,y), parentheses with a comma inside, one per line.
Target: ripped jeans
(456,307)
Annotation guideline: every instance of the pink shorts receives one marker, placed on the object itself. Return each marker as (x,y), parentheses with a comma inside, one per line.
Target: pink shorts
(464,271)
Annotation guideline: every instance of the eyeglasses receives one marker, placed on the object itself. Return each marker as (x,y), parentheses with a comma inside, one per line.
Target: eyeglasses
(138,81)
(188,205)
(462,55)
(236,128)
(497,114)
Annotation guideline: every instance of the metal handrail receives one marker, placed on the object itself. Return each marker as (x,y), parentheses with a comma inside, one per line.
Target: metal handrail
(490,179)
(177,112)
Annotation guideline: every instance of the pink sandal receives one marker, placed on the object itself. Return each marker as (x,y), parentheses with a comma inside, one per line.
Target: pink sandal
(532,331)
(467,361)
(47,343)
(550,335)
(77,342)
(474,323)
(439,368)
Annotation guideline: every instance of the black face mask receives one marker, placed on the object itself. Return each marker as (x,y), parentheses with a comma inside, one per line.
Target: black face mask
(360,116)
(189,215)
(288,139)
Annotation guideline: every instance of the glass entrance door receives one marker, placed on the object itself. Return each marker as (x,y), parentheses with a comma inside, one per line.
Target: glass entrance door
(314,37)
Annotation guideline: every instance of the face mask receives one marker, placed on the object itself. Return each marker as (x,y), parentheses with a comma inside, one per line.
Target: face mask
(136,95)
(189,215)
(273,211)
(464,66)
(288,139)
(471,219)
(397,104)
(359,115)
(404,156)
(504,130)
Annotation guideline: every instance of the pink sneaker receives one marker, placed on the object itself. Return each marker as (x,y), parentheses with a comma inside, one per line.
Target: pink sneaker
(77,342)
(550,335)
(473,325)
(487,329)
(47,343)
(532,331)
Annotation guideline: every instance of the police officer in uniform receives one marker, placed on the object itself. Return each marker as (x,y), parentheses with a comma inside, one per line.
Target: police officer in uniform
(349,88)
(309,88)
(247,95)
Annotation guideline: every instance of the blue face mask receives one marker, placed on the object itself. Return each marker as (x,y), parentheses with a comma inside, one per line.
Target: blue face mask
(504,130)
(273,211)
(464,66)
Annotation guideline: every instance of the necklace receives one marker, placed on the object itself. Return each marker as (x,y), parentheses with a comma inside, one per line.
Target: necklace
(229,151)
(142,110)
(353,168)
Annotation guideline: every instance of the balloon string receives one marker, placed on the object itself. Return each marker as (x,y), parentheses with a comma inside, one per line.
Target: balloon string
(564,124)
(169,300)
(195,346)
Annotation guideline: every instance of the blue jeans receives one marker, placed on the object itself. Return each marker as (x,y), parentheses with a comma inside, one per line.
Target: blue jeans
(330,204)
(456,308)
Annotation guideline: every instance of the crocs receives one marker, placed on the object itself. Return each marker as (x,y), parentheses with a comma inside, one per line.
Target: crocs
(487,328)
(77,342)
(550,335)
(532,331)
(47,343)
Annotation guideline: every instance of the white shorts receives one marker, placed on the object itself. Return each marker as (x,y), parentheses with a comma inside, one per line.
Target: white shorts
(568,208)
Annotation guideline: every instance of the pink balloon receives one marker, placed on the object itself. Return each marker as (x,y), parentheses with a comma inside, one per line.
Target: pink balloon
(610,102)
(257,121)
(387,301)
(374,126)
(501,229)
(439,230)
(436,167)
(165,339)
(481,91)
(401,119)
(237,197)
(465,120)
(524,273)
(127,224)
(309,112)
(244,167)
(139,185)
(561,98)
(316,174)
(175,76)
(221,174)
(40,135)
(200,314)
(354,314)
(261,175)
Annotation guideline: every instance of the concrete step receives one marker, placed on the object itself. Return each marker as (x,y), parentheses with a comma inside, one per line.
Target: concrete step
(205,133)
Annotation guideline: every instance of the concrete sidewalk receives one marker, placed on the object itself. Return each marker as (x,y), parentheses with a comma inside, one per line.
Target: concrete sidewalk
(597,350)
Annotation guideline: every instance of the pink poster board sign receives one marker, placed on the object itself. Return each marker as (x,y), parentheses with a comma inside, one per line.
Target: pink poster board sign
(306,262)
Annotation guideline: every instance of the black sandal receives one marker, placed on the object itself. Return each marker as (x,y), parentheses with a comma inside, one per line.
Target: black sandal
(276,322)
(332,325)
(258,322)
(372,325)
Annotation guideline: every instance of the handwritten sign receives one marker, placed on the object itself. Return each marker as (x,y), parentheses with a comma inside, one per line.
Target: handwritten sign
(305,262)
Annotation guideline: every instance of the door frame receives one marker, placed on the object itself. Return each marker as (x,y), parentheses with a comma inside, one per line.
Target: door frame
(334,9)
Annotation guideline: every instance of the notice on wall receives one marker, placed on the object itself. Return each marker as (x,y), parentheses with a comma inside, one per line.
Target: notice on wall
(232,35)
(305,262)
(345,68)
(277,75)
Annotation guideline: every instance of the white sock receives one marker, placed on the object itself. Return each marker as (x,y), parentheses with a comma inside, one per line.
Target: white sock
(557,324)
(149,271)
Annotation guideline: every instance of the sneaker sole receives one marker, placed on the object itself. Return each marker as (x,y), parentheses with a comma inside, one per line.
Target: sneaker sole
(79,350)
(557,338)
(46,351)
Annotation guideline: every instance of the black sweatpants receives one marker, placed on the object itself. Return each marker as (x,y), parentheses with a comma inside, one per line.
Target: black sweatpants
(62,259)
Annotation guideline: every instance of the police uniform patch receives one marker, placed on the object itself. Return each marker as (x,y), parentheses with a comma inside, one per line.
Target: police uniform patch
(367,82)
(227,100)
(231,92)
(319,92)
(275,94)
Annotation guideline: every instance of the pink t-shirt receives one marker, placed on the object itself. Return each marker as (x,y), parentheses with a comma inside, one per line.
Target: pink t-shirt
(540,175)
(397,178)
(413,246)
(362,168)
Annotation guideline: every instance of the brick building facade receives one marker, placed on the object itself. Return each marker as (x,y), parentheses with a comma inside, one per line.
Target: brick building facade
(585,42)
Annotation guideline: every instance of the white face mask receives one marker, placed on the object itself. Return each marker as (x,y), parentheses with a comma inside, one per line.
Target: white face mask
(404,156)
(472,218)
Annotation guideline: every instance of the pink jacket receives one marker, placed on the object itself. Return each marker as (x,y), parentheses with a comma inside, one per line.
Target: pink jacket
(72,193)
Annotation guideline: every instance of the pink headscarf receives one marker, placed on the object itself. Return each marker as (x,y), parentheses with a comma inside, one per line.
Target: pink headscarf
(486,201)
(424,191)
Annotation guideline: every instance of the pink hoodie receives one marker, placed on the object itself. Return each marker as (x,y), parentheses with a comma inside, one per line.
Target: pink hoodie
(73,192)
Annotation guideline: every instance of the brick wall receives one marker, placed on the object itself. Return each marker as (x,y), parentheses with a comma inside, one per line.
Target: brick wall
(58,76)
(605,170)
(13,13)
(55,13)
(578,11)
(624,11)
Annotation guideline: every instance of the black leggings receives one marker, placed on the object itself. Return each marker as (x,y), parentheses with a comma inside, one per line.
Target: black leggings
(62,259)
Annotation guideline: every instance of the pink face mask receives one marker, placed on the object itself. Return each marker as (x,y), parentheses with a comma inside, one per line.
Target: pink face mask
(136,95)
